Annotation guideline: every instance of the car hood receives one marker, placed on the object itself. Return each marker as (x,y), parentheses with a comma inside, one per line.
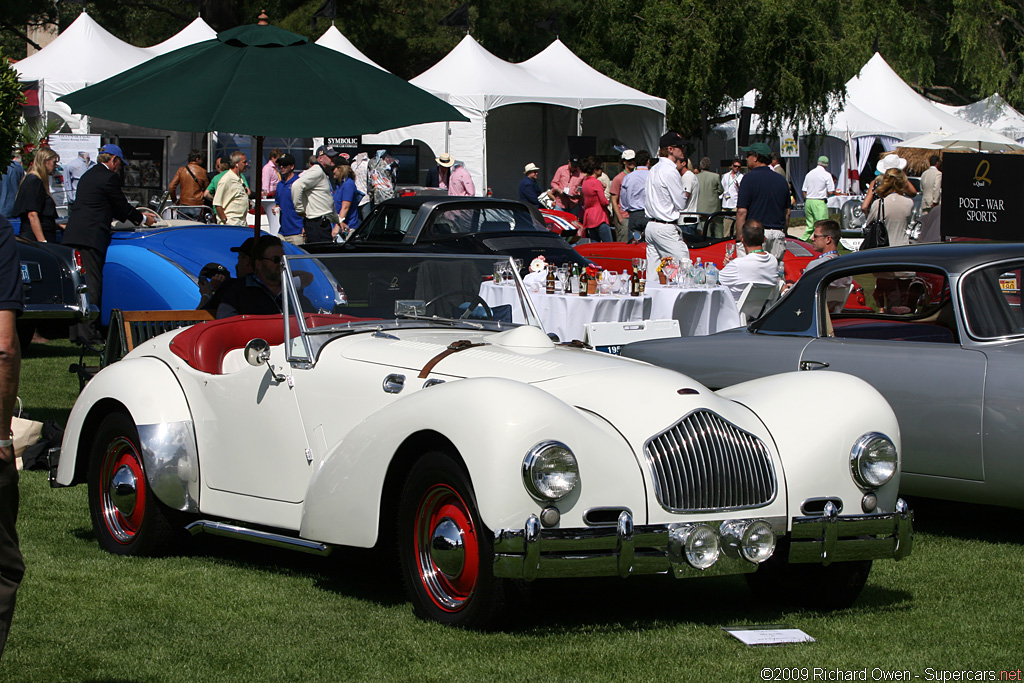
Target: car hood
(627,393)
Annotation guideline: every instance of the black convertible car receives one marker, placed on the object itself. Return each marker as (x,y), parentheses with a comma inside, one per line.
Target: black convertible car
(457,225)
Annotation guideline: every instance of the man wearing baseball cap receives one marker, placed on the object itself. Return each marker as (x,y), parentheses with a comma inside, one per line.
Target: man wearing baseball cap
(764,197)
(529,188)
(620,218)
(98,202)
(313,199)
(664,201)
(818,187)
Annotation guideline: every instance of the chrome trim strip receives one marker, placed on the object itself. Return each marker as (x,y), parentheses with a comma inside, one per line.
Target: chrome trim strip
(257,536)
(833,538)
(172,463)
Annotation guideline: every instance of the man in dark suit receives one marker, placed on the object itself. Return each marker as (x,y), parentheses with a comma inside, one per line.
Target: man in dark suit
(438,176)
(99,200)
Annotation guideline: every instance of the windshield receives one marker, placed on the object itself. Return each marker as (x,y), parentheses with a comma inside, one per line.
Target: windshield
(468,221)
(991,301)
(392,290)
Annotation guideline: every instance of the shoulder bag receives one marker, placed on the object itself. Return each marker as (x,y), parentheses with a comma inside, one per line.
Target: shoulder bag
(875,233)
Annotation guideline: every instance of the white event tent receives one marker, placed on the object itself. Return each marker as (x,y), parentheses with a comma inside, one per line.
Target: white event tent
(336,40)
(522,113)
(84,53)
(992,112)
(196,32)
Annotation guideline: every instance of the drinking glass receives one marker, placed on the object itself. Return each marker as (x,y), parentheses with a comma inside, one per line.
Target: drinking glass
(561,278)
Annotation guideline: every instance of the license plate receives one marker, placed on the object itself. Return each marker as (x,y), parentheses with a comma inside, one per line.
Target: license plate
(25,277)
(1008,283)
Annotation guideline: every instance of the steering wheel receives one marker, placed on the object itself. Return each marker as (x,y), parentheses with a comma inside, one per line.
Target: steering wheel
(474,301)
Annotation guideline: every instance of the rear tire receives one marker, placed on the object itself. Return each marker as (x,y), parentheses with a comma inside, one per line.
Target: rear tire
(126,517)
(814,586)
(447,555)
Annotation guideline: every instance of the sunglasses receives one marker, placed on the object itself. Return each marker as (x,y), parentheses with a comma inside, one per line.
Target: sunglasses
(272,259)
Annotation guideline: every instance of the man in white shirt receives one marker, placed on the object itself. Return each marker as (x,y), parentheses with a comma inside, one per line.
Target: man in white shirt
(758,266)
(730,194)
(691,188)
(664,202)
(232,198)
(818,186)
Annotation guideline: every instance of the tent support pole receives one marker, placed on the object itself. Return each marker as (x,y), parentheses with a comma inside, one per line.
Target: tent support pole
(579,118)
(484,188)
(257,180)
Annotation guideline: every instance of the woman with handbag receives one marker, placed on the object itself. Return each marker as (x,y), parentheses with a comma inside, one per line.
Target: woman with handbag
(893,209)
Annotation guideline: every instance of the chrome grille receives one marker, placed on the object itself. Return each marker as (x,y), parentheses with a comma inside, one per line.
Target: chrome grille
(705,463)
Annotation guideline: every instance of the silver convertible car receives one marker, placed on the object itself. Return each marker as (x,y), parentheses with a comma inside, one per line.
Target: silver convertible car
(940,335)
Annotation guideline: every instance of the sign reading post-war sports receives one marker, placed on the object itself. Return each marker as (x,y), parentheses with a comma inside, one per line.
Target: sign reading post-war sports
(983,196)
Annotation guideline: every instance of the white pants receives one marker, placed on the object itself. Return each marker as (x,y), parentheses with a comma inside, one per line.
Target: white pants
(775,243)
(664,240)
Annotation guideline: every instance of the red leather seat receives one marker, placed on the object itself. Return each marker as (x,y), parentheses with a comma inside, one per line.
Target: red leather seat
(204,345)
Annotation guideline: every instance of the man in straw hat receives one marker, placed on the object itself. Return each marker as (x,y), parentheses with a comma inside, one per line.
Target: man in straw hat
(440,175)
(529,188)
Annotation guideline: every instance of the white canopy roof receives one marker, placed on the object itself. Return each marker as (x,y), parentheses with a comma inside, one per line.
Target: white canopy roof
(992,112)
(335,40)
(559,66)
(880,93)
(83,54)
(196,32)
(477,81)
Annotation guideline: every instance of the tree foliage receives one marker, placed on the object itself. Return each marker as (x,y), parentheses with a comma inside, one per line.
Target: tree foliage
(10,111)
(694,53)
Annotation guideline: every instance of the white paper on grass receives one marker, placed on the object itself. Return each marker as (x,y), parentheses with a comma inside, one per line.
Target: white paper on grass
(768,634)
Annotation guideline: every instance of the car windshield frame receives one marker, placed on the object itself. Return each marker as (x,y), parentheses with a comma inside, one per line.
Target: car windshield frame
(407,311)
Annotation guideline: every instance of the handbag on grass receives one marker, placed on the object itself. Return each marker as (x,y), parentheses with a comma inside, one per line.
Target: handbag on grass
(875,233)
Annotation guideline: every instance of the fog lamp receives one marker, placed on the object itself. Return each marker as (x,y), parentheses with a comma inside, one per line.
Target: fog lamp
(758,541)
(700,546)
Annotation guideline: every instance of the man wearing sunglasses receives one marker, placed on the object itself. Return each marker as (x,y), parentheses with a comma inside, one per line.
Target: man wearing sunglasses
(258,293)
(731,193)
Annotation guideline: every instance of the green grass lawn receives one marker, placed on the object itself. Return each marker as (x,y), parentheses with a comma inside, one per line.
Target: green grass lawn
(228,611)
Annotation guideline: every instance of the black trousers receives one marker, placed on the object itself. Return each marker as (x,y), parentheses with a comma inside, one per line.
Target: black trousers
(91,330)
(12,566)
(318,229)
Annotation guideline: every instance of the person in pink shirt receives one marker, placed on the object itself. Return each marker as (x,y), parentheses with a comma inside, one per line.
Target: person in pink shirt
(595,203)
(460,184)
(270,176)
(565,186)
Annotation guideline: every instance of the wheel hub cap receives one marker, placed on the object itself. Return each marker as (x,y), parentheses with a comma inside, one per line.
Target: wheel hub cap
(446,548)
(123,490)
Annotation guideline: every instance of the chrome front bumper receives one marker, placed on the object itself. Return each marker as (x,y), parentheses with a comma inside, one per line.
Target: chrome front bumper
(623,550)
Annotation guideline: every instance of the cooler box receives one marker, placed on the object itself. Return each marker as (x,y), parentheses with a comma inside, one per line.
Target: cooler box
(610,337)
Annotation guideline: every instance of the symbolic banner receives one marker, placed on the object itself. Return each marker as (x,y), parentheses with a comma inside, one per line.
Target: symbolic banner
(983,196)
(789,144)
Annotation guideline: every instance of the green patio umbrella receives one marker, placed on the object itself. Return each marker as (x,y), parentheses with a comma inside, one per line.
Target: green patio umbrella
(260,80)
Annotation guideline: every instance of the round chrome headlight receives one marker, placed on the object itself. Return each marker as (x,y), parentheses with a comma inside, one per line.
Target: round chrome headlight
(701,546)
(758,542)
(873,460)
(550,471)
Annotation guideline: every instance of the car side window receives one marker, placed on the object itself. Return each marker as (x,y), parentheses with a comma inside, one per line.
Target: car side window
(390,224)
(911,304)
(991,301)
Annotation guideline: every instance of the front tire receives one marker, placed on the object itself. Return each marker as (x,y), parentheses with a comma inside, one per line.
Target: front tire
(446,553)
(126,517)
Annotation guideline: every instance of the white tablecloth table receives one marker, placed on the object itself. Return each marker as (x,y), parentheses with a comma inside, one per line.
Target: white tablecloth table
(699,311)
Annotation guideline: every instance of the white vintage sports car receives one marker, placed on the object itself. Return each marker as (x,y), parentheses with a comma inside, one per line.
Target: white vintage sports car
(414,415)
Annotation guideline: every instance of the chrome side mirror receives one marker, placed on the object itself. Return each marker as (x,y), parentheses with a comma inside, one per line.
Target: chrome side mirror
(257,352)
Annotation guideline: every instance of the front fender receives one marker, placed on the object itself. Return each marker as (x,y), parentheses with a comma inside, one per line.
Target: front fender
(492,423)
(148,390)
(815,418)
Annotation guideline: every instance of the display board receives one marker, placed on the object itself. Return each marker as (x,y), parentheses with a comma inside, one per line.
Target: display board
(982,196)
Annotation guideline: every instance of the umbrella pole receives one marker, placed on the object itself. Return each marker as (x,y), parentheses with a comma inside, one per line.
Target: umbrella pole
(257,182)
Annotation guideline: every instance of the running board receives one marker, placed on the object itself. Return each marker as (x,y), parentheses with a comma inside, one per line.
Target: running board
(256,536)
